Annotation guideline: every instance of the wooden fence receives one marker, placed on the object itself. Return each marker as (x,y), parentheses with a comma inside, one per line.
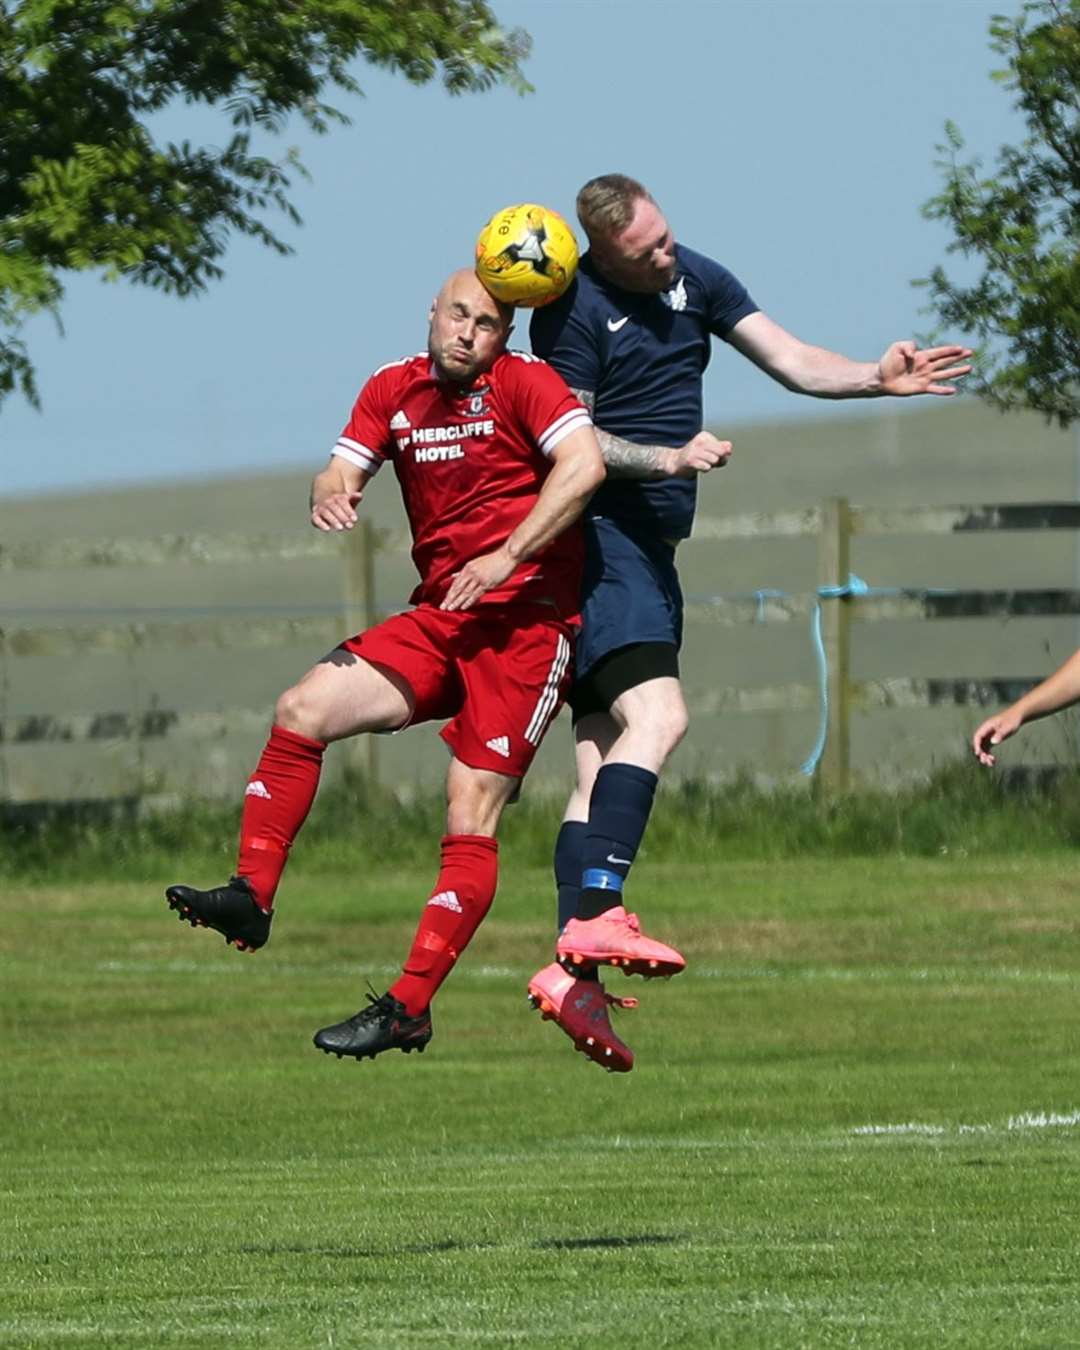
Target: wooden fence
(839,600)
(832,609)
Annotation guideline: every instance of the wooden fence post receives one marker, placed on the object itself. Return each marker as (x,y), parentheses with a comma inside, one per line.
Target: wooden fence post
(139,704)
(360,544)
(5,787)
(834,548)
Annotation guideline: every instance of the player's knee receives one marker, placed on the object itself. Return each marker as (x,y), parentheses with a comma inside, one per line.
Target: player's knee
(474,807)
(675,726)
(296,711)
(472,818)
(665,733)
(661,724)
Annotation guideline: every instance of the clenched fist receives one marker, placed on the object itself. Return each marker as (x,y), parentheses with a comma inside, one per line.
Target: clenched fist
(700,455)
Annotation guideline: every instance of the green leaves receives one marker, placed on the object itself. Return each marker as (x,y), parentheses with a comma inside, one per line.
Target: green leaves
(1022,224)
(83,183)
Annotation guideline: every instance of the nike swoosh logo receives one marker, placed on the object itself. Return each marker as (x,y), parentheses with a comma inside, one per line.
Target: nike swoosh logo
(615,324)
(621,862)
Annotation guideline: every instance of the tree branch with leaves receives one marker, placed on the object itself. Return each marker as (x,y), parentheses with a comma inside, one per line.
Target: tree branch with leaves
(1022,224)
(84,184)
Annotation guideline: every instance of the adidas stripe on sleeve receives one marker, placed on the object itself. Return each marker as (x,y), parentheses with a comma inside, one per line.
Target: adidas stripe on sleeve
(562,427)
(366,437)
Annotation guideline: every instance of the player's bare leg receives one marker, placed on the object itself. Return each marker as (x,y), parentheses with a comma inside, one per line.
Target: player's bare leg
(460,898)
(652,720)
(341,696)
(594,736)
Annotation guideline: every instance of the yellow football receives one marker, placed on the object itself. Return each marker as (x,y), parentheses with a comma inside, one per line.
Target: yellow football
(526,255)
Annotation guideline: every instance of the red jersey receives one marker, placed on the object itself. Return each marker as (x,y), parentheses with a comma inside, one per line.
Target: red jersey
(471,460)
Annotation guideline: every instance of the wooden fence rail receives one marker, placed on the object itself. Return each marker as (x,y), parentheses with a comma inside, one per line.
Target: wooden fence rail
(833,608)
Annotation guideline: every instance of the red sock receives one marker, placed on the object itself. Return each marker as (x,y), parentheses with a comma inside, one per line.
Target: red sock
(462,896)
(276,802)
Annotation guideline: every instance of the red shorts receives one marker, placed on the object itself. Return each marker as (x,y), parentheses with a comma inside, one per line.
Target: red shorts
(500,673)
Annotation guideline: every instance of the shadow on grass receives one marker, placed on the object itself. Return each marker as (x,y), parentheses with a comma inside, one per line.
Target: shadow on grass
(451,1245)
(630,1240)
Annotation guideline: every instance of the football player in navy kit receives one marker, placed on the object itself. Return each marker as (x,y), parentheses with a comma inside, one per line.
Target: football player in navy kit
(632,337)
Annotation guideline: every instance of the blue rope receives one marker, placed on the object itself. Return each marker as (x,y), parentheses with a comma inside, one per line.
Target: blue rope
(810,763)
(854,586)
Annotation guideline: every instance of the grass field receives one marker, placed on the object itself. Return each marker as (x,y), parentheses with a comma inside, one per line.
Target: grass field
(853,1121)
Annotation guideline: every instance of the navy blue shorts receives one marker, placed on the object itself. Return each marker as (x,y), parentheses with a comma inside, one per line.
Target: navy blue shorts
(630,592)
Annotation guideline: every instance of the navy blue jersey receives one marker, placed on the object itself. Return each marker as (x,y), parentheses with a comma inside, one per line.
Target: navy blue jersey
(643,357)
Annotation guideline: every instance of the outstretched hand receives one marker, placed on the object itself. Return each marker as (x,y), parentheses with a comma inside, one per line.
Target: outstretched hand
(992,732)
(336,512)
(908,369)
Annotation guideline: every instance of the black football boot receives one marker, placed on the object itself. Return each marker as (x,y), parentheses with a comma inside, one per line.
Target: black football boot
(230,910)
(382,1025)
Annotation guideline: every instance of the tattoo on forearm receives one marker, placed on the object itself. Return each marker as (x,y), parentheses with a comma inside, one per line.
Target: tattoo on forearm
(624,459)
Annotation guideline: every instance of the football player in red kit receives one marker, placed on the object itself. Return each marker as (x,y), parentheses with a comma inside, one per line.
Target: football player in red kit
(495,458)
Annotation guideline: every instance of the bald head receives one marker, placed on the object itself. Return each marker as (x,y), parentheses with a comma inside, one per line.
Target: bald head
(469,328)
(464,283)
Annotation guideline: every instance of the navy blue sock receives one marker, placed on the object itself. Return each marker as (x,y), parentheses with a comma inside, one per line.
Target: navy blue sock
(569,846)
(619,807)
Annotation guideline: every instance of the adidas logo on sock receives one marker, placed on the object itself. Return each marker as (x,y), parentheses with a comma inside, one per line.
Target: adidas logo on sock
(500,744)
(399,422)
(447,900)
(257,788)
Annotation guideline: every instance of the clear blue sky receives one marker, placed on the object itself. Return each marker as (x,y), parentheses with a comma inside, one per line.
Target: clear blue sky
(791,139)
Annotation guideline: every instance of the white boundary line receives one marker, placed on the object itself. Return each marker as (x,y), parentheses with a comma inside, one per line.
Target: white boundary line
(1027,1120)
(734,974)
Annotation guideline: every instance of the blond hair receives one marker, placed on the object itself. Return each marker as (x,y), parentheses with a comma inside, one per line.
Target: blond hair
(605,205)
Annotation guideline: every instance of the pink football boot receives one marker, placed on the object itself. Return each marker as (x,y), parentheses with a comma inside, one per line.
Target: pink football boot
(579,1007)
(614,938)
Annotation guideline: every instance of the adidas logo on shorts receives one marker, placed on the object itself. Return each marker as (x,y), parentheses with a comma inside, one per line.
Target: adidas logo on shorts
(447,900)
(500,744)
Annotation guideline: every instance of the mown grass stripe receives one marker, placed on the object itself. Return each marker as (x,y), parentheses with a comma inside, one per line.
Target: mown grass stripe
(734,974)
